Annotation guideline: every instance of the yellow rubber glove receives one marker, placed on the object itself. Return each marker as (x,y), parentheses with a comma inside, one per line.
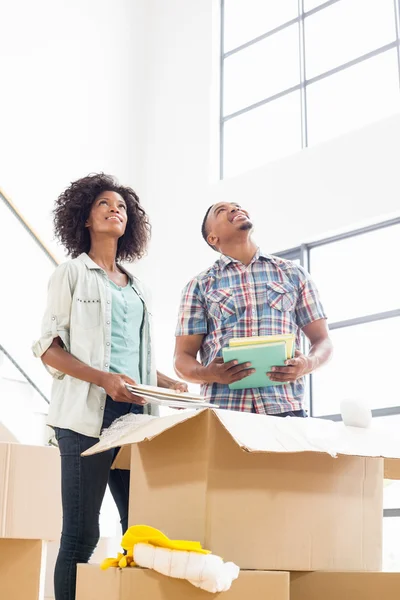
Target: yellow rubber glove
(122,561)
(111,562)
(143,534)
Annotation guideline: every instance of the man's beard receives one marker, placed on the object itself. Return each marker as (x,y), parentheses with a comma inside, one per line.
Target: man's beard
(246,226)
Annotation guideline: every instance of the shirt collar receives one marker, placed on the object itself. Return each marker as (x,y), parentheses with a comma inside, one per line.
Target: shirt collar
(224,260)
(85,258)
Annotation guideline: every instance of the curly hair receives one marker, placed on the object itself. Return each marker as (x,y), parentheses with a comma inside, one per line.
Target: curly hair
(73,208)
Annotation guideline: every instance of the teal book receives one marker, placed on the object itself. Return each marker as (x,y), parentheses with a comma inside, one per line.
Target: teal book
(262,358)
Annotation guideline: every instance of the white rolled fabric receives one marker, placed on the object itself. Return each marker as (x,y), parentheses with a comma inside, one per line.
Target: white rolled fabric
(205,571)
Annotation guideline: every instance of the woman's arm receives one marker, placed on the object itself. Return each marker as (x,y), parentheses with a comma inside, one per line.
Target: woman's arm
(113,383)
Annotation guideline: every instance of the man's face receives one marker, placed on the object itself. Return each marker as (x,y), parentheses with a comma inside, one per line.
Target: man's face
(224,221)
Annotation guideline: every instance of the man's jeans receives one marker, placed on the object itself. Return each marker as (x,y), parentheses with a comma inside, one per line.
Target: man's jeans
(83,484)
(292,413)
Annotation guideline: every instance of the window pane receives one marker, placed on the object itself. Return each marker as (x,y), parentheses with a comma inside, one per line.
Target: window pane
(364,357)
(355,276)
(261,135)
(353,98)
(391,546)
(245,20)
(261,70)
(360,25)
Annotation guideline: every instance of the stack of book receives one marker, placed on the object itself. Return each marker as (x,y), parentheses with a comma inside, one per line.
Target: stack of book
(169,398)
(263,352)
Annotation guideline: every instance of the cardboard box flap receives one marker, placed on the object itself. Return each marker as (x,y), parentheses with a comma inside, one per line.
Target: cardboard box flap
(260,433)
(134,429)
(272,434)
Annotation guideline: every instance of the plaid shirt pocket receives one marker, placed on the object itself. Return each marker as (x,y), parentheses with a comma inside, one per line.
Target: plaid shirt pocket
(221,305)
(281,296)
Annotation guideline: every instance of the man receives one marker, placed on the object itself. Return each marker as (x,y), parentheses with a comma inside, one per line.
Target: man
(247,293)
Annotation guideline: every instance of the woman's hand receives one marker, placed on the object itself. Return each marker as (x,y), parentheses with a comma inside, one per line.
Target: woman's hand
(114,385)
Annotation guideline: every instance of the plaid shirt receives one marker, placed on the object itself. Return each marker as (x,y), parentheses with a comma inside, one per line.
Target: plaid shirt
(269,296)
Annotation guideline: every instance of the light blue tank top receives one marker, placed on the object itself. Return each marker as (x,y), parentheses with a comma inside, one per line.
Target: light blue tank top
(126,322)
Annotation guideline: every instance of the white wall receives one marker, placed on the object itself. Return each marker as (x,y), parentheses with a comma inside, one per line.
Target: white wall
(70,76)
(337,185)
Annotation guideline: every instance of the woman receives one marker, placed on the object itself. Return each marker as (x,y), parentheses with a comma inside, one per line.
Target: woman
(96,337)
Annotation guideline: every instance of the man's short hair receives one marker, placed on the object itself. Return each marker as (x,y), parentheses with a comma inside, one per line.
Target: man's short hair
(204,231)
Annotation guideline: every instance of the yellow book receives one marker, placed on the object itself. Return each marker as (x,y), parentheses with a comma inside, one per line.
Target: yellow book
(288,338)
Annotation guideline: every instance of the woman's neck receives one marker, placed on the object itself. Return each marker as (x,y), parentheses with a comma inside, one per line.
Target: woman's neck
(103,253)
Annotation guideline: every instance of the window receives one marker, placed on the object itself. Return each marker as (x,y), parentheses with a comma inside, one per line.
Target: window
(361,25)
(361,264)
(286,82)
(355,277)
(352,98)
(265,134)
(356,274)
(363,354)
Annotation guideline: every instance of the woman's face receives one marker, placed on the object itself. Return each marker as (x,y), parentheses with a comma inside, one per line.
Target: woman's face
(108,215)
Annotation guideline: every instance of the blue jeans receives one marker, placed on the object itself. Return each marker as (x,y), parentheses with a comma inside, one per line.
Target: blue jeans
(83,485)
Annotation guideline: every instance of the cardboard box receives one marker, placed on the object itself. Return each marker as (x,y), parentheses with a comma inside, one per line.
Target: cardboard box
(392,468)
(22,569)
(345,586)
(30,492)
(263,492)
(142,584)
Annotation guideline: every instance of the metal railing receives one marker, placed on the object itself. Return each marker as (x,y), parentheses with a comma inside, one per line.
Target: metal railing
(30,230)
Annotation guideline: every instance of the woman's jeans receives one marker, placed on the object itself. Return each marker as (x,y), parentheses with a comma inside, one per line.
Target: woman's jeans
(83,485)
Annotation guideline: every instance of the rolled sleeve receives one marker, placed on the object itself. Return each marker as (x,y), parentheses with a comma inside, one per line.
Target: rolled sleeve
(309,307)
(192,318)
(56,319)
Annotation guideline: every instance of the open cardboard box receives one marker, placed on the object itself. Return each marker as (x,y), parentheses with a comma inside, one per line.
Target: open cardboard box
(30,492)
(267,493)
(142,584)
